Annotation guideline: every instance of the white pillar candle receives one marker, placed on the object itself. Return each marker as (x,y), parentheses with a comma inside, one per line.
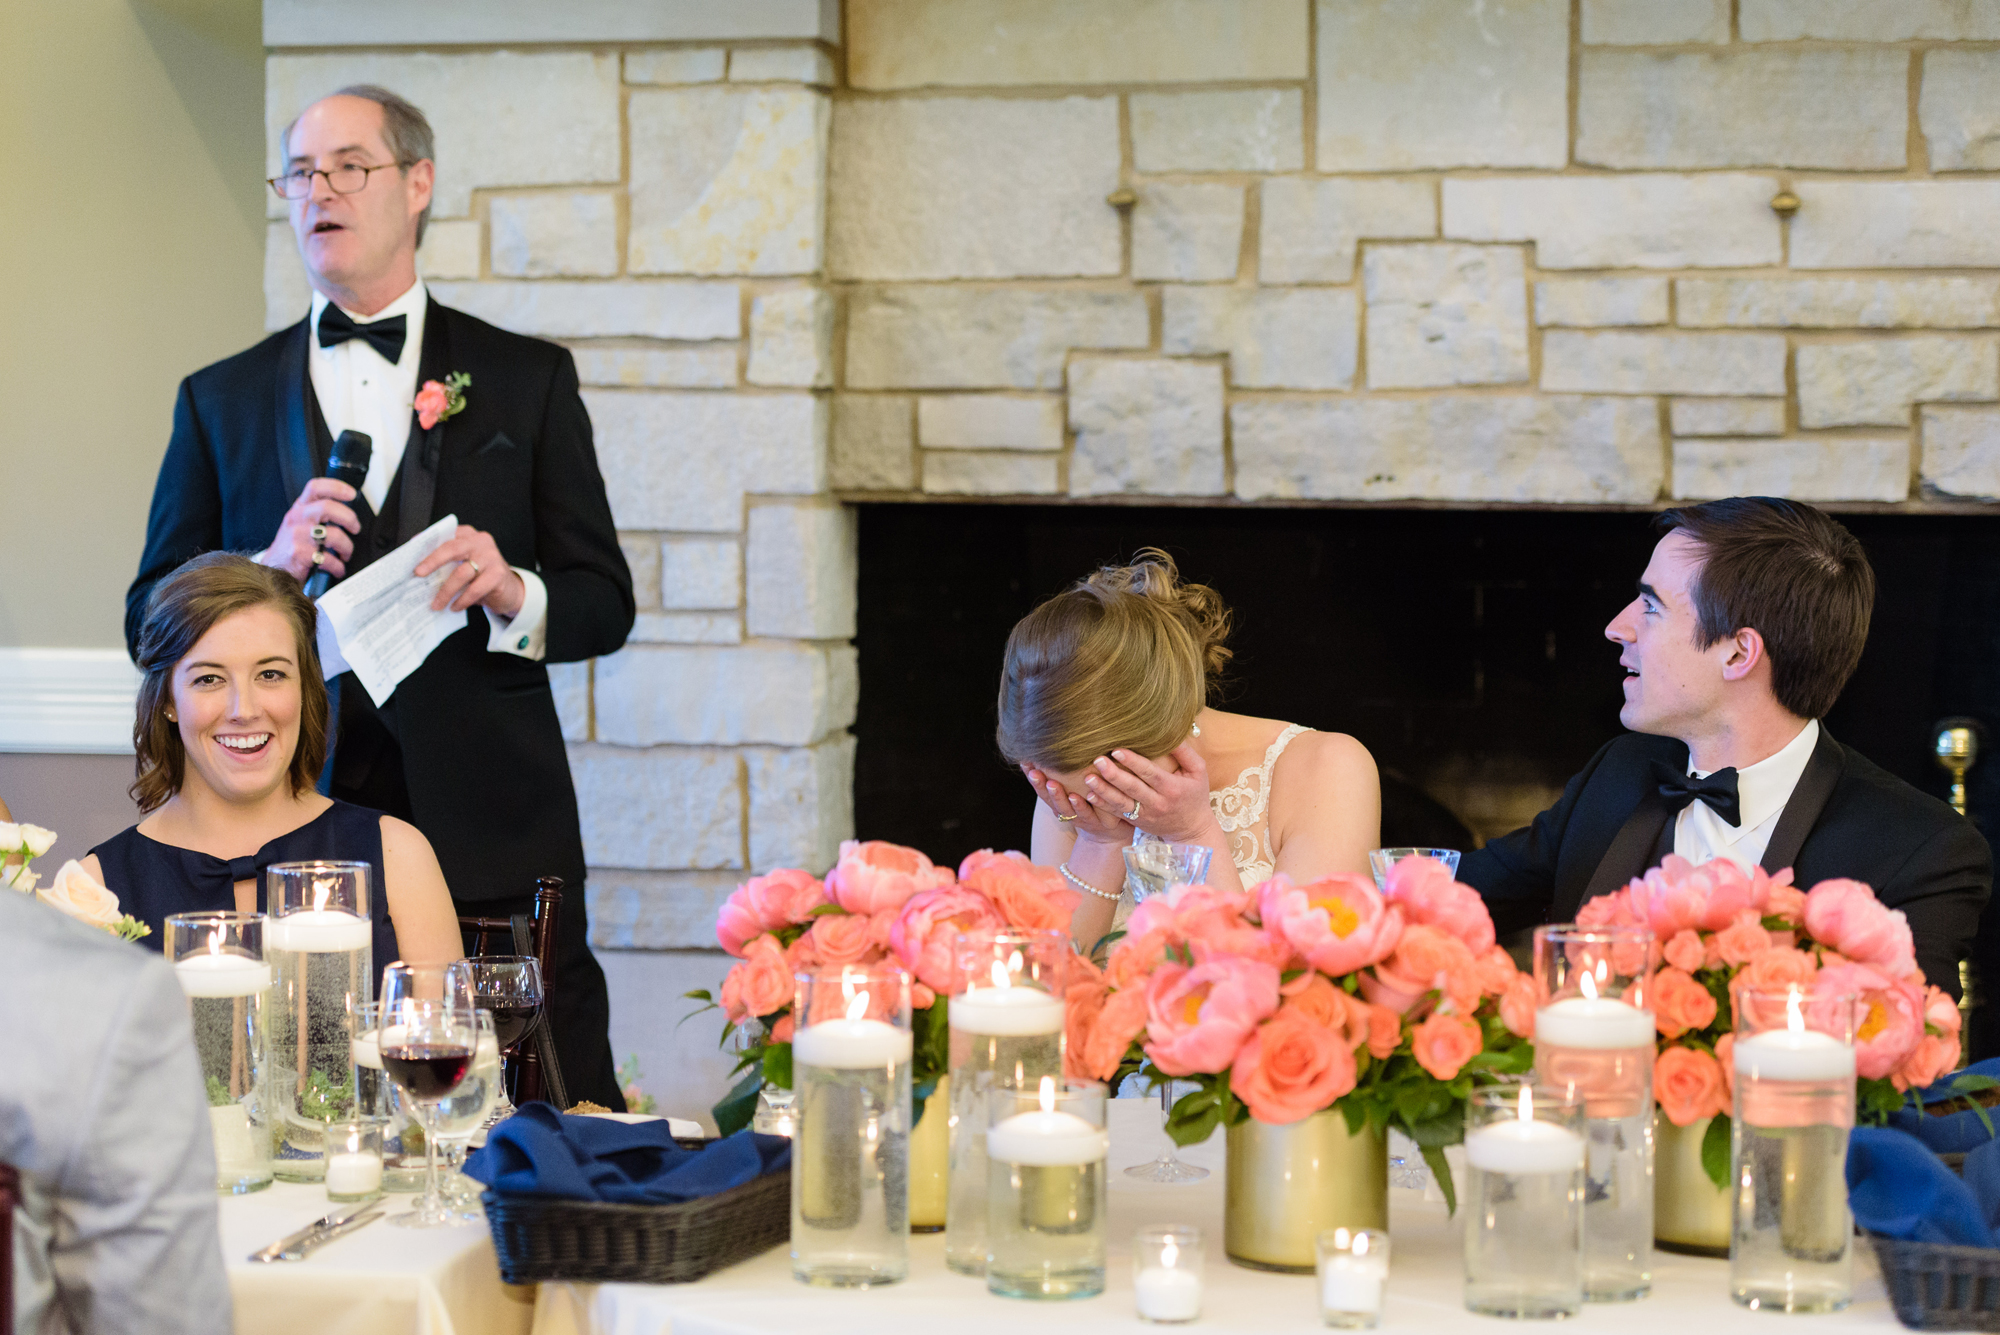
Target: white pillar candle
(1167,1293)
(1793,1054)
(317,931)
(223,975)
(1047,1139)
(230,1126)
(353,1173)
(850,1045)
(1523,1145)
(1350,1285)
(1593,1022)
(1007,1012)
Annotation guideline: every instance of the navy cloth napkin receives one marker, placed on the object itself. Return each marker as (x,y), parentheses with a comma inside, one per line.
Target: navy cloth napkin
(1955,1133)
(541,1152)
(1897,1187)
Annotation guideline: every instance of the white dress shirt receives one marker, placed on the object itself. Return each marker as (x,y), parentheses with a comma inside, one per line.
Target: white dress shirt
(1762,790)
(361,390)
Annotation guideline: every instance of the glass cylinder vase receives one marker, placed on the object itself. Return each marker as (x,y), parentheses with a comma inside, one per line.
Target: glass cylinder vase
(1006,1034)
(1046,1191)
(219,960)
(1595,1035)
(851,1055)
(1523,1202)
(318,944)
(1791,1245)
(1285,1185)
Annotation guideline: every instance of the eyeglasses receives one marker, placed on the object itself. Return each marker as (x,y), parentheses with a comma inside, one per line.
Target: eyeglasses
(347,179)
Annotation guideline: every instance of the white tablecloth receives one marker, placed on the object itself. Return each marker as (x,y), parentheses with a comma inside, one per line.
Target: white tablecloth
(378,1280)
(1425,1283)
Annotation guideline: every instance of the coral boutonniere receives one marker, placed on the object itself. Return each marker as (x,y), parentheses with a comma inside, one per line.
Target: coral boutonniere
(437,401)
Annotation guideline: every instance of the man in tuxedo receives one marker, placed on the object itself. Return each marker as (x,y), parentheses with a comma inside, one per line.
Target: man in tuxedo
(1750,618)
(468,748)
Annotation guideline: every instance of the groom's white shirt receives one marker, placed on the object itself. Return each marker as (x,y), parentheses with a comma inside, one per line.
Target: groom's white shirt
(1762,790)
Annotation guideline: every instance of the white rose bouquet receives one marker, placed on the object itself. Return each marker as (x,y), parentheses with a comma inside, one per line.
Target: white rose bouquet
(72,890)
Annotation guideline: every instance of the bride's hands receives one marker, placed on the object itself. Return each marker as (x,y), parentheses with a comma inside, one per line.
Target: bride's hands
(1085,820)
(1172,803)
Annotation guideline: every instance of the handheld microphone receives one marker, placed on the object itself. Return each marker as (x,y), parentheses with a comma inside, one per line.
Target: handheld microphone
(349,464)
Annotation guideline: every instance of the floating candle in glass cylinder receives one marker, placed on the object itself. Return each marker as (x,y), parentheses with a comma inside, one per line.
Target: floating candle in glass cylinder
(1166,1274)
(851,1053)
(1045,1191)
(1523,1202)
(319,947)
(1006,1033)
(218,958)
(1791,1236)
(1595,1035)
(353,1159)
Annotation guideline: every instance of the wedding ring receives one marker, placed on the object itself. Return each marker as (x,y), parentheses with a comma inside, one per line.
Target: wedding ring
(1133,814)
(319,533)
(475,567)
(1065,819)
(319,556)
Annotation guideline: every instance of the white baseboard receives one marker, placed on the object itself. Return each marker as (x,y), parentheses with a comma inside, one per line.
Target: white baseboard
(67,700)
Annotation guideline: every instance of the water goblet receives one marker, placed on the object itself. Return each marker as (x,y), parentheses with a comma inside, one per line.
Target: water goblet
(510,988)
(1381,859)
(1169,1166)
(427,1048)
(462,1115)
(1153,866)
(403,981)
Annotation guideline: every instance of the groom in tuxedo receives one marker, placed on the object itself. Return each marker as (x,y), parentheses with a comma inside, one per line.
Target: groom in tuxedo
(468,748)
(1750,618)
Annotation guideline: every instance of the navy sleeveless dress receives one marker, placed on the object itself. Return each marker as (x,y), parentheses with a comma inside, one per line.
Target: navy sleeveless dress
(153,880)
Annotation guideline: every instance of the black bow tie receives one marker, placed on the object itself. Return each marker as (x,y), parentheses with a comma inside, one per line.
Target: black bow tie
(385,336)
(1678,789)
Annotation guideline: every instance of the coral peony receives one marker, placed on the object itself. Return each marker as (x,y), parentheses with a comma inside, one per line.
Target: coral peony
(1688,1084)
(1443,1044)
(1613,910)
(1426,893)
(1290,1068)
(1029,897)
(766,903)
(1685,951)
(1680,1003)
(1743,939)
(923,934)
(1846,916)
(1496,971)
(1889,1014)
(761,984)
(1339,924)
(842,938)
(876,876)
(1197,1018)
(1111,1033)
(1787,901)
(1426,959)
(1519,1003)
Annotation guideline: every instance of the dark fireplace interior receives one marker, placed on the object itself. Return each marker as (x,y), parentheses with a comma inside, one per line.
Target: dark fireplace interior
(1464,648)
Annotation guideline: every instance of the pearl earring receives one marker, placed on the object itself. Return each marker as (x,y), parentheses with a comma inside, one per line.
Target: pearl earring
(1197,729)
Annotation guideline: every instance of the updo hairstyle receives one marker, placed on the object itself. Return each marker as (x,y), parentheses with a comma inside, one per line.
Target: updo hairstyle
(1123,658)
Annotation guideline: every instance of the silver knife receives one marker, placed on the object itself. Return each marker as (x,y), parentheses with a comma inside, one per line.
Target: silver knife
(287,1248)
(340,1230)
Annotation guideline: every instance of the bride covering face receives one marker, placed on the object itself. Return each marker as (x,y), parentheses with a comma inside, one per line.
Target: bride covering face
(1103,706)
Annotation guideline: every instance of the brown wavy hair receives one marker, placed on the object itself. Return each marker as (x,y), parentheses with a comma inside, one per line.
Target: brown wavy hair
(1125,657)
(185,606)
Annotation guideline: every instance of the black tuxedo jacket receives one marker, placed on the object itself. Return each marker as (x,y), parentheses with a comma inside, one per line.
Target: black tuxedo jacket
(1847,817)
(483,759)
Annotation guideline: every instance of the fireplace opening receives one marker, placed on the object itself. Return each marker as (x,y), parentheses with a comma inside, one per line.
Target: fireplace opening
(1465,649)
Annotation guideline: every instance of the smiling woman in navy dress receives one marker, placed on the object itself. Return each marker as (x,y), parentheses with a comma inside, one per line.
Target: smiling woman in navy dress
(231,734)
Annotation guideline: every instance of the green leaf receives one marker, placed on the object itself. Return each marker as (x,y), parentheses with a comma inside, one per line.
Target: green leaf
(739,1105)
(824,910)
(1441,1170)
(1194,1117)
(1102,950)
(1715,1152)
(699,994)
(1875,1100)
(1968,1084)
(777,1065)
(218,1093)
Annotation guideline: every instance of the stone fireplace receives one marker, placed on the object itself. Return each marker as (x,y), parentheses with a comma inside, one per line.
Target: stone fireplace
(1228,258)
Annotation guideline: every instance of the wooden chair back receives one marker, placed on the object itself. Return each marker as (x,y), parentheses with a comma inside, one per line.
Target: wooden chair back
(537,1073)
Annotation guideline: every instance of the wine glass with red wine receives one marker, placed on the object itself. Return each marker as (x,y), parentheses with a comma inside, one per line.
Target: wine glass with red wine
(427,1046)
(510,987)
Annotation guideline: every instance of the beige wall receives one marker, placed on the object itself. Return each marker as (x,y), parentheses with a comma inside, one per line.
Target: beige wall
(131,253)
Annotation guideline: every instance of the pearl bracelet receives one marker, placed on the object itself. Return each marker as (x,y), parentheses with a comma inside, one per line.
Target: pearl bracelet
(1084,885)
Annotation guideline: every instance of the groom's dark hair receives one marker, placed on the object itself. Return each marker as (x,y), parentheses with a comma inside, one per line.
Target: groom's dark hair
(1796,577)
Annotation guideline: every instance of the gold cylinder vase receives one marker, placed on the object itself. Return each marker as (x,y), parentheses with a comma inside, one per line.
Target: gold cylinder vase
(930,1159)
(1287,1183)
(1690,1213)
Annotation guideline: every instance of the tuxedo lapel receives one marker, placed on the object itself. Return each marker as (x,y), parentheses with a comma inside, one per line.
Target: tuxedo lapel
(295,432)
(424,455)
(1630,854)
(1802,809)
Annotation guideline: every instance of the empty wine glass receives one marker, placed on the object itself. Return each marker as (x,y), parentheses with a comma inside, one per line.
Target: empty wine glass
(1169,1166)
(427,1048)
(403,981)
(1381,859)
(510,988)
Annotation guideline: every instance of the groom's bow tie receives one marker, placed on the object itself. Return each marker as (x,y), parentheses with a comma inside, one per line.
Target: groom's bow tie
(1718,790)
(385,336)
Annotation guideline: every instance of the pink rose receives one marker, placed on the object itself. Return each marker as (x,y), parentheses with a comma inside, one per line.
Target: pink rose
(1613,910)
(73,890)
(760,985)
(1889,1016)
(1426,893)
(781,1032)
(1135,955)
(1291,1068)
(766,903)
(1688,1085)
(1519,1003)
(1385,1030)
(1443,1044)
(1029,897)
(430,403)
(1121,1020)
(1742,940)
(1776,968)
(1496,971)
(1787,901)
(1198,1018)
(1339,924)
(922,936)
(1725,1058)
(1426,960)
(1680,1004)
(842,938)
(1847,916)
(876,877)
(1685,951)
